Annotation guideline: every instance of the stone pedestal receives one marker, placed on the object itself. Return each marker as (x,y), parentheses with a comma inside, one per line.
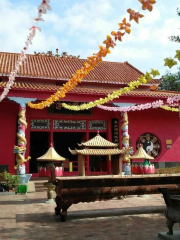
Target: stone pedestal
(50,192)
(164,235)
(24,178)
(127,169)
(30,187)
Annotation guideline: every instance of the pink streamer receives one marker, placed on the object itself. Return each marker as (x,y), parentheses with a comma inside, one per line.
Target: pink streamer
(156,104)
(42,9)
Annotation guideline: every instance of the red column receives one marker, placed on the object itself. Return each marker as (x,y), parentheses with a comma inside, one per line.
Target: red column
(87,157)
(109,138)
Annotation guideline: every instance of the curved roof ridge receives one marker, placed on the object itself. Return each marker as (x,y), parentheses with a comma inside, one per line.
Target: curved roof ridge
(126,62)
(51,155)
(98,141)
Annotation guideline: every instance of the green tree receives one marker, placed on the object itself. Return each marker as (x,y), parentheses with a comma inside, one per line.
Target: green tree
(176,38)
(171,82)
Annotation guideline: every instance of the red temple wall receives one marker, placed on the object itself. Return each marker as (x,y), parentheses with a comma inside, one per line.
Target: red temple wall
(163,124)
(8,124)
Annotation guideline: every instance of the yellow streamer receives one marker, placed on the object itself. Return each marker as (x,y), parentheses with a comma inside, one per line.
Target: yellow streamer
(170,108)
(110,97)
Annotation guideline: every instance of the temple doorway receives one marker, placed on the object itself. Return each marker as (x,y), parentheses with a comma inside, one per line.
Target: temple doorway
(39,144)
(62,142)
(97,164)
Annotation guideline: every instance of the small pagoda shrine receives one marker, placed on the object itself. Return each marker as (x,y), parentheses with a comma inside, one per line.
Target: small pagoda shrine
(99,146)
(146,167)
(51,156)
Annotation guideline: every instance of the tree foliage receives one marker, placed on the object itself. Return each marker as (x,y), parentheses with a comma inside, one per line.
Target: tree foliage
(171,82)
(176,38)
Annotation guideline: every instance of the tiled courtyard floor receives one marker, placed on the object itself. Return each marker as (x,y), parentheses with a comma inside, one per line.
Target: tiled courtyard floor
(27,217)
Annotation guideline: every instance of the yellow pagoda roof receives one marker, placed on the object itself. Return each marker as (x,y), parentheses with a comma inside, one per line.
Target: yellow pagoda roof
(97,151)
(141,154)
(98,141)
(51,155)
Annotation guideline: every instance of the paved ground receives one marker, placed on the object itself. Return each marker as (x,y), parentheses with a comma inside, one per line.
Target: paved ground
(28,217)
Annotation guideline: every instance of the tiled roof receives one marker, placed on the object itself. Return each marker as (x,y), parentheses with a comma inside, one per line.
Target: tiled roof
(94,90)
(98,141)
(99,152)
(62,69)
(141,154)
(51,155)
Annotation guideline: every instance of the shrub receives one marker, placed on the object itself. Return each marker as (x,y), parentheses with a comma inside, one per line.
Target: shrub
(169,170)
(8,181)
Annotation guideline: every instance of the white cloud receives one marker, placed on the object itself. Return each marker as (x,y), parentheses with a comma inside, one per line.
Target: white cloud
(152,17)
(89,17)
(170,27)
(17,20)
(15,26)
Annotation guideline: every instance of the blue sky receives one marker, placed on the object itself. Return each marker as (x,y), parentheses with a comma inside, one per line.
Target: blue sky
(80,26)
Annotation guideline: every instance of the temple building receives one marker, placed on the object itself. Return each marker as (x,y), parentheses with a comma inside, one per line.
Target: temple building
(156,129)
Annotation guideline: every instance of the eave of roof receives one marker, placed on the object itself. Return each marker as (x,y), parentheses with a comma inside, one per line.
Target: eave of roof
(98,141)
(99,152)
(92,90)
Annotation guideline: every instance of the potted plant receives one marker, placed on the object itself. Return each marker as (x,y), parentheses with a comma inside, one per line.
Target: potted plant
(8,182)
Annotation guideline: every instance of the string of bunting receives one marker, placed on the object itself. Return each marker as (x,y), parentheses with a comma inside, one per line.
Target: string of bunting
(124,27)
(169,62)
(42,9)
(172,109)
(155,104)
(131,86)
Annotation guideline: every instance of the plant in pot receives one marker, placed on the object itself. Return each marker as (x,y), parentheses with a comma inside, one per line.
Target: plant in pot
(8,182)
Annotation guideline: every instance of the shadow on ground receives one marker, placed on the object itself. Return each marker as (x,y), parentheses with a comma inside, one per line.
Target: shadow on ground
(24,201)
(72,215)
(46,226)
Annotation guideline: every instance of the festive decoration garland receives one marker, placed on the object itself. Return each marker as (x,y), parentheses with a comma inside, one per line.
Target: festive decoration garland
(97,58)
(155,104)
(169,62)
(132,85)
(42,9)
(171,100)
(170,108)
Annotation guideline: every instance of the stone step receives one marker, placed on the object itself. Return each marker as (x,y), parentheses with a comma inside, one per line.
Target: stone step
(38,182)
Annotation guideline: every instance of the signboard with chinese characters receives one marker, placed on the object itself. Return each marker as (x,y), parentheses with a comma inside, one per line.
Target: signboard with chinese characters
(97,125)
(56,108)
(115,130)
(69,124)
(40,124)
